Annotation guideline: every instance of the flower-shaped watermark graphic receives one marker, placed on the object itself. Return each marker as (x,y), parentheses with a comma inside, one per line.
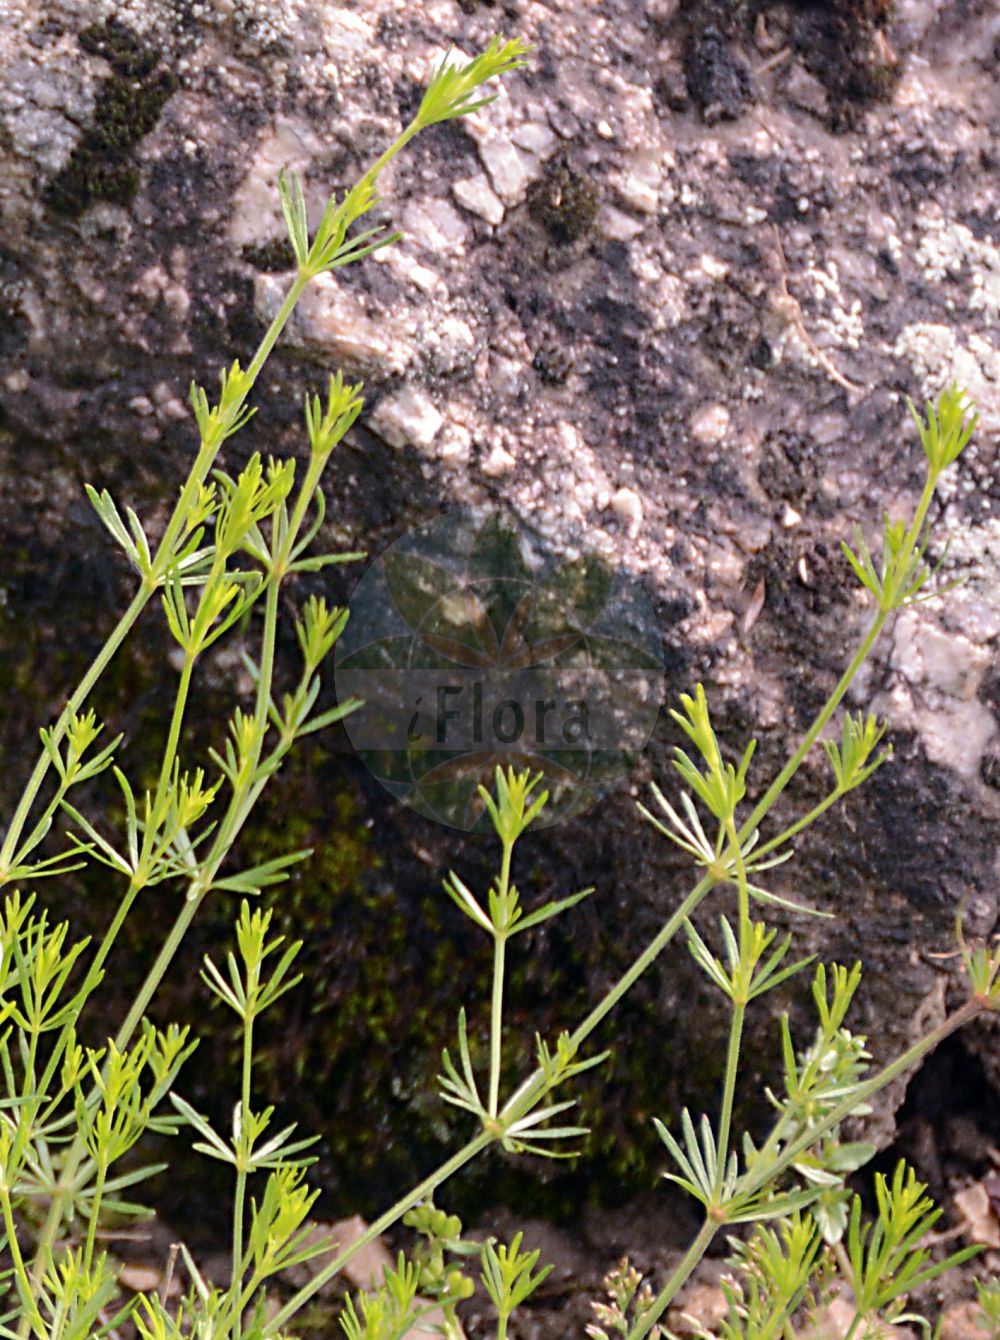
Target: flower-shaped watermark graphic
(471,650)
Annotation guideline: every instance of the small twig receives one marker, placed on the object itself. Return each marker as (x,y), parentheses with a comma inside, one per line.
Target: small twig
(790,309)
(946,1235)
(168,1274)
(772,62)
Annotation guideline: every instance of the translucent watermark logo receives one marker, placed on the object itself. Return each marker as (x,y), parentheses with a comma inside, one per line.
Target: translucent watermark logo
(471,650)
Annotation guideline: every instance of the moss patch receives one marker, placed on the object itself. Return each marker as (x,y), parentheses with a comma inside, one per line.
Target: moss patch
(564,199)
(128,106)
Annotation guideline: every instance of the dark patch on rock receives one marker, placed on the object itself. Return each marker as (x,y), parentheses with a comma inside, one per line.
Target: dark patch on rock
(718,80)
(127,107)
(761,355)
(790,467)
(843,45)
(729,329)
(902,820)
(989,769)
(989,692)
(949,1123)
(922,169)
(553,361)
(270,256)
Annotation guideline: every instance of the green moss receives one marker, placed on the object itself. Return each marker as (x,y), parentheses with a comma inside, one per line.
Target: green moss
(127,107)
(564,199)
(120,47)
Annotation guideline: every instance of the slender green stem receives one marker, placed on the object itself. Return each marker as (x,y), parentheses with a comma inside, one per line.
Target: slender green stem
(164,784)
(381,1225)
(157,972)
(31,1103)
(496,1021)
(855,1323)
(209,450)
(728,1091)
(271,335)
(793,829)
(241,1173)
(95,1213)
(652,951)
(268,643)
(524,1099)
(91,981)
(767,1171)
(76,701)
(302,504)
(917,524)
(678,1279)
(25,1284)
(742,978)
(499,967)
(767,800)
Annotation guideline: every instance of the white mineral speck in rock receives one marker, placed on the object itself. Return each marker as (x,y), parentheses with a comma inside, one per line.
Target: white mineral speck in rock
(498,462)
(710,424)
(640,181)
(255,214)
(536,137)
(451,339)
(627,505)
(508,168)
(927,655)
(408,418)
(436,225)
(712,268)
(638,194)
(617,225)
(331,318)
(455,446)
(477,196)
(943,706)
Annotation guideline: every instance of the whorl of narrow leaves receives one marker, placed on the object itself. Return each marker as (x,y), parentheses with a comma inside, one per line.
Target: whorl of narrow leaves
(451,90)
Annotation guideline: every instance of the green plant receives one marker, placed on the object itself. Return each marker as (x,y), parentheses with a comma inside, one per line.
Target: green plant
(988,1298)
(70,1114)
(628,1298)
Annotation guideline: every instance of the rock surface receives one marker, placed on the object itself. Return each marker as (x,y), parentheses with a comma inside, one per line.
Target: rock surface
(664,298)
